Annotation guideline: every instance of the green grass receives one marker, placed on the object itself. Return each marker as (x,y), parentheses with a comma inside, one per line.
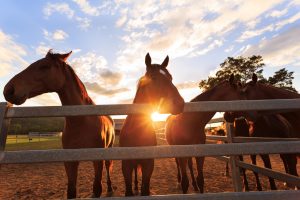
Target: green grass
(23,143)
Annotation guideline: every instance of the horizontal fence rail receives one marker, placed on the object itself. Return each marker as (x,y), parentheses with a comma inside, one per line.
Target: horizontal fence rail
(204,106)
(249,139)
(121,153)
(271,195)
(290,179)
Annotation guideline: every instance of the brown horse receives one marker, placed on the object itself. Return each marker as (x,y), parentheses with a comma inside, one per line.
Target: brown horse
(155,88)
(254,90)
(264,126)
(188,128)
(53,74)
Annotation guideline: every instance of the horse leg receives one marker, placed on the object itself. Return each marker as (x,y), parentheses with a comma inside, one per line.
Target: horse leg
(108,166)
(147,170)
(246,185)
(190,165)
(71,171)
(136,183)
(184,179)
(178,173)
(200,177)
(258,185)
(267,163)
(97,186)
(291,162)
(127,168)
(227,169)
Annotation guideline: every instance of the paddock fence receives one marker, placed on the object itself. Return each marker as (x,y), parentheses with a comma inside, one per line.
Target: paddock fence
(227,152)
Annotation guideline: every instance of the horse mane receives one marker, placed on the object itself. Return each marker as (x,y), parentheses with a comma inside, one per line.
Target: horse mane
(268,88)
(79,85)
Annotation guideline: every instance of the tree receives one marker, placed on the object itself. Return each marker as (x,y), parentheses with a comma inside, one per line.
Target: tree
(243,68)
(283,79)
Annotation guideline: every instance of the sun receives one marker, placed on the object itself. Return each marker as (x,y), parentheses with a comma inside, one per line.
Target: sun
(155,116)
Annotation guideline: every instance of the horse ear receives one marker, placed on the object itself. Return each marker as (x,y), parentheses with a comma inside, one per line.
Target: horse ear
(166,62)
(148,61)
(254,78)
(64,57)
(231,79)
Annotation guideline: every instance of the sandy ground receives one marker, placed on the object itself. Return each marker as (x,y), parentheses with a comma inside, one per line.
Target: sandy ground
(48,181)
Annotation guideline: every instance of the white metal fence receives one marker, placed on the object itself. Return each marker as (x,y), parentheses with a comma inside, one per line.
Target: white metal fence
(230,149)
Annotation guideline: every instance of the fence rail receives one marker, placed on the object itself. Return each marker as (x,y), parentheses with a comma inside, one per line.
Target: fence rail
(231,149)
(124,109)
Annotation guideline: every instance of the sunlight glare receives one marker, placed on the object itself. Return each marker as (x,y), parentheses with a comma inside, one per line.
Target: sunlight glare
(155,116)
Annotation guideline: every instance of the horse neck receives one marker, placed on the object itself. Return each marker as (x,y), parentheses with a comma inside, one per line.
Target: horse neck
(73,92)
(140,98)
(272,92)
(203,117)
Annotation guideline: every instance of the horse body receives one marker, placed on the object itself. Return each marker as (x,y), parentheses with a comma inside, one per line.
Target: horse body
(264,126)
(153,88)
(188,128)
(79,131)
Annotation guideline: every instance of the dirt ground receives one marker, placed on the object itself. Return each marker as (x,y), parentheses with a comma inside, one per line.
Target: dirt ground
(48,181)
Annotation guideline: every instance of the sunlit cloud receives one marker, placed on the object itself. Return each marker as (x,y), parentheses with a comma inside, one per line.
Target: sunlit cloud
(11,54)
(62,8)
(56,35)
(277,13)
(280,50)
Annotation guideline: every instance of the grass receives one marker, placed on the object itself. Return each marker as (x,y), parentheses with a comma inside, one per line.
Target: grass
(43,143)
(23,143)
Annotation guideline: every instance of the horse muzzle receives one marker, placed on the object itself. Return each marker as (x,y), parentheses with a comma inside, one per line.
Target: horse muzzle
(11,96)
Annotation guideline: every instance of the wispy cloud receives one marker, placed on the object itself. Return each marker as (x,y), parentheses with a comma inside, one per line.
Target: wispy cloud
(162,27)
(277,13)
(280,50)
(11,54)
(57,35)
(62,8)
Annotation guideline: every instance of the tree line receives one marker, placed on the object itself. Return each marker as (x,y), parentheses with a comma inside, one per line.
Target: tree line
(243,68)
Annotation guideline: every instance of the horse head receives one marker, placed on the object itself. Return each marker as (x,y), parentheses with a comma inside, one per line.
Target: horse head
(157,88)
(42,76)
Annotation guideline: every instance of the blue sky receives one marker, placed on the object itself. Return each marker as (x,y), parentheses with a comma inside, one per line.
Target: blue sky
(110,39)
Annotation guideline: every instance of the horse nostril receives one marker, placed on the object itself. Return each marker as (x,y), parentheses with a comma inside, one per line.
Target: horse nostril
(10,91)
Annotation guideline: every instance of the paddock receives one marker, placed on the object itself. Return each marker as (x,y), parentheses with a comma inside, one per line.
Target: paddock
(230,150)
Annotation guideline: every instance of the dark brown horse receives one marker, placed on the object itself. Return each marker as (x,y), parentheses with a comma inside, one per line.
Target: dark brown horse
(264,126)
(53,74)
(254,90)
(155,88)
(188,128)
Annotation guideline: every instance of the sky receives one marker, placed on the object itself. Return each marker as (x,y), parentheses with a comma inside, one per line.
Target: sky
(110,39)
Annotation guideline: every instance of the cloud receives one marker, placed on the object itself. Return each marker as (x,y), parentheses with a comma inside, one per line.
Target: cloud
(253,33)
(11,54)
(187,85)
(280,50)
(62,8)
(290,20)
(84,23)
(92,67)
(277,13)
(87,8)
(100,90)
(181,28)
(57,35)
(42,49)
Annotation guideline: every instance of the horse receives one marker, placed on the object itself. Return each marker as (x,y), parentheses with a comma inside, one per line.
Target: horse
(53,74)
(253,90)
(155,88)
(188,128)
(264,126)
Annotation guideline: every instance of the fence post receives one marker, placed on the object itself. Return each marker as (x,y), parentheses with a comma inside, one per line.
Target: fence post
(235,170)
(4,123)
